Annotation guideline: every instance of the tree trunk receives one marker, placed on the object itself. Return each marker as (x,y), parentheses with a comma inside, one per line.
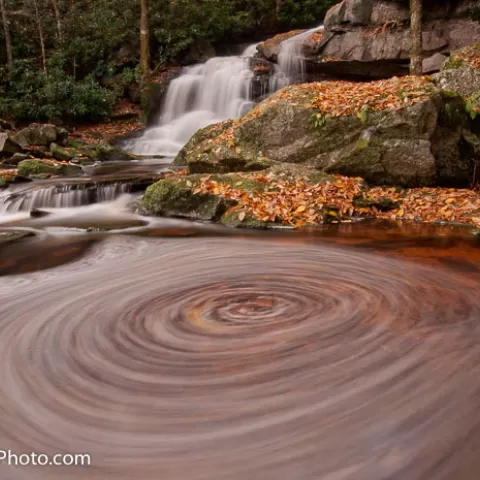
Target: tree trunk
(40,36)
(416,52)
(144,40)
(278,7)
(58,19)
(6,32)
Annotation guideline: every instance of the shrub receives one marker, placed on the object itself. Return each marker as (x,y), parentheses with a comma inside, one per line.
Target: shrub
(31,95)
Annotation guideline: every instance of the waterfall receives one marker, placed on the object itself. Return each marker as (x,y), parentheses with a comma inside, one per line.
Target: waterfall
(290,68)
(216,90)
(64,196)
(203,94)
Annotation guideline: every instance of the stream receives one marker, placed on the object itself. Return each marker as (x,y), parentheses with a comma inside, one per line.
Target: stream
(174,350)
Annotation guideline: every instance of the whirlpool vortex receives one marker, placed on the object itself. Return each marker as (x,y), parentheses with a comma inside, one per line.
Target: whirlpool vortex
(236,359)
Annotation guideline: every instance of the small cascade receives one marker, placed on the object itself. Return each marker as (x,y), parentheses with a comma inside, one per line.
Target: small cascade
(290,68)
(216,90)
(206,93)
(64,196)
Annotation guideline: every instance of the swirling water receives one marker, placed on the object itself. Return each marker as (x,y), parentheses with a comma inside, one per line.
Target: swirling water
(278,357)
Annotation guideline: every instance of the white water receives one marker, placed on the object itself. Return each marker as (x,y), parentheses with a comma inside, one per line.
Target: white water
(204,94)
(66,196)
(290,68)
(212,92)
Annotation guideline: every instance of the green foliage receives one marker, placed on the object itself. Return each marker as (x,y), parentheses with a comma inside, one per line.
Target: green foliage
(318,120)
(452,64)
(31,95)
(99,41)
(363,114)
(472,106)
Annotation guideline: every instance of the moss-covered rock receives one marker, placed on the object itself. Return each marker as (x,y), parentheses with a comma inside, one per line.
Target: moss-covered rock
(391,138)
(461,72)
(61,153)
(177,198)
(41,134)
(234,218)
(210,151)
(46,168)
(107,152)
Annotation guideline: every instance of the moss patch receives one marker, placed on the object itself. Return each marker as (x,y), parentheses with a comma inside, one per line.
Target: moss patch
(46,168)
(171,197)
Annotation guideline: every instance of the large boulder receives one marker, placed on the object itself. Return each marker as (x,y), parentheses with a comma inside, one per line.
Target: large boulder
(8,146)
(386,132)
(367,39)
(41,135)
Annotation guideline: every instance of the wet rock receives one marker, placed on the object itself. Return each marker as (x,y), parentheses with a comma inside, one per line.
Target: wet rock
(233,219)
(35,213)
(10,236)
(271,47)
(153,94)
(41,134)
(5,125)
(15,159)
(8,146)
(46,169)
(204,154)
(170,197)
(107,152)
(61,153)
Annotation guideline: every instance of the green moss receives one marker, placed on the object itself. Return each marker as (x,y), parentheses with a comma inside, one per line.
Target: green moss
(106,152)
(363,114)
(362,143)
(452,113)
(61,153)
(453,63)
(3,182)
(448,94)
(26,168)
(44,169)
(231,219)
(170,197)
(384,204)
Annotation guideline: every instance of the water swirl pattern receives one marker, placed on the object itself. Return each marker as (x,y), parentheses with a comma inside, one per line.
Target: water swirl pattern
(234,359)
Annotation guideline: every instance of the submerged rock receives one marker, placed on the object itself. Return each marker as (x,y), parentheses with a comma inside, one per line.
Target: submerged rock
(10,236)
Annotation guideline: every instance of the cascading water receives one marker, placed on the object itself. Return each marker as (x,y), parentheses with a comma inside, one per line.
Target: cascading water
(65,196)
(207,93)
(290,68)
(216,90)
